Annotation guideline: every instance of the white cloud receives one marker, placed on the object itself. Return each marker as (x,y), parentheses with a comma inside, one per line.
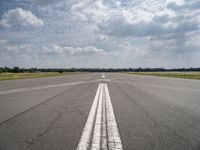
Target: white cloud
(20,17)
(56,49)
(115,22)
(184,5)
(135,21)
(129,49)
(90,10)
(122,32)
(51,49)
(2,42)
(178,2)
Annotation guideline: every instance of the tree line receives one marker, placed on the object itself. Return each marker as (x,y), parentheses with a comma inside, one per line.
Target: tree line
(61,70)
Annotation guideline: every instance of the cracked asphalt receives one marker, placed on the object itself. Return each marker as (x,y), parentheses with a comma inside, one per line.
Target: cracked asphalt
(152,113)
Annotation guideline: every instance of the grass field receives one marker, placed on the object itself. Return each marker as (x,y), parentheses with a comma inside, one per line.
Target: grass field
(186,75)
(14,76)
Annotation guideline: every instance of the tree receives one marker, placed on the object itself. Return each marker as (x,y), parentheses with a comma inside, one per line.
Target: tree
(16,69)
(60,71)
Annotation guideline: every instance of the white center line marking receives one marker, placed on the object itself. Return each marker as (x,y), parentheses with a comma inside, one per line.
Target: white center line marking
(101,131)
(103,75)
(114,141)
(104,125)
(87,131)
(97,127)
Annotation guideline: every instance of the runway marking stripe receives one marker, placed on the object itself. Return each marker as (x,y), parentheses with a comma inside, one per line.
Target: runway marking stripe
(104,125)
(100,130)
(87,131)
(96,141)
(103,75)
(114,141)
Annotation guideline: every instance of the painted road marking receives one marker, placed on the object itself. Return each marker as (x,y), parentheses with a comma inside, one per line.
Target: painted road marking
(37,88)
(96,141)
(104,126)
(114,141)
(87,131)
(103,75)
(101,131)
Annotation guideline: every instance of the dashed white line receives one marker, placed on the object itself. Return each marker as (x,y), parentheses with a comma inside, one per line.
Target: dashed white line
(101,131)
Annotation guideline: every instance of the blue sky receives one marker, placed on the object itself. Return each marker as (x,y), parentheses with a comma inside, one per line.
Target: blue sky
(100,33)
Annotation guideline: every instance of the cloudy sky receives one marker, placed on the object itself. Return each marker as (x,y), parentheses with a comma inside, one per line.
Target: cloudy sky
(100,33)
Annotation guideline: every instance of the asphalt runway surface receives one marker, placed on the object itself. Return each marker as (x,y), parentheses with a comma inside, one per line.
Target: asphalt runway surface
(108,111)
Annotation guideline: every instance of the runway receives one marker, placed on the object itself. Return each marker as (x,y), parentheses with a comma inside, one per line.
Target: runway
(108,111)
